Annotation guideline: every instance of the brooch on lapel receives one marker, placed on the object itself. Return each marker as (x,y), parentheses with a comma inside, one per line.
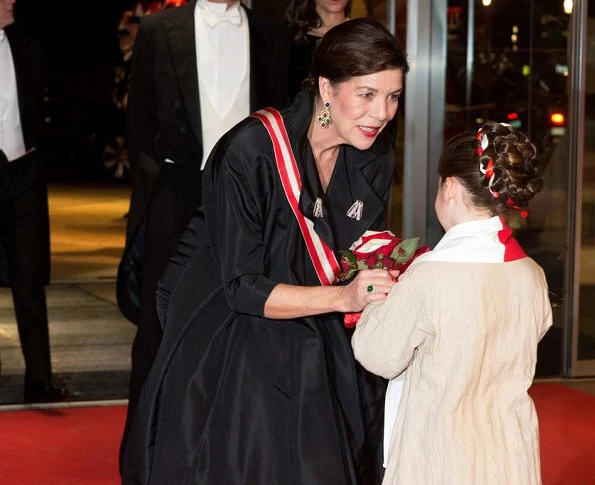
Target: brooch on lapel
(317,212)
(356,210)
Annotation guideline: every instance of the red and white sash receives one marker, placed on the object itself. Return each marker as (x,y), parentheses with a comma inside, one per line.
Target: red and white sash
(324,260)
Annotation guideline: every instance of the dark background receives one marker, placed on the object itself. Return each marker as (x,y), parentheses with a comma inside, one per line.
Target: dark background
(73,31)
(77,115)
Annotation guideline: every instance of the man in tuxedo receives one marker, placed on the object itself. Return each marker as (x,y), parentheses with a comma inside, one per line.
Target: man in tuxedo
(24,221)
(197,70)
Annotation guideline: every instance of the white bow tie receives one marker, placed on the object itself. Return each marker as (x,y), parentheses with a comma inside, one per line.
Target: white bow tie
(231,15)
(2,35)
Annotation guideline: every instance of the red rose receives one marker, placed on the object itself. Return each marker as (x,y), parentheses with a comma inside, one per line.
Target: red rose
(371,261)
(345,265)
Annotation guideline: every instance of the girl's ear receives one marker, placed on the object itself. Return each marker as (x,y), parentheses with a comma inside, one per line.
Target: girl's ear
(449,189)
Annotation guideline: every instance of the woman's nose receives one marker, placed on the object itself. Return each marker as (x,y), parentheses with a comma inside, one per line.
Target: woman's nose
(381,111)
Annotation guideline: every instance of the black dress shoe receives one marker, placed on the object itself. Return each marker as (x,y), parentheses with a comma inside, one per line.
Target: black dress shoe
(47,393)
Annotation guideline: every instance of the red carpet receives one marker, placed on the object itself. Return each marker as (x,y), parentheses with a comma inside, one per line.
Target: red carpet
(70,446)
(79,446)
(567,434)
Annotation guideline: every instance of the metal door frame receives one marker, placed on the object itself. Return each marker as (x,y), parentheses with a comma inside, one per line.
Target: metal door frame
(424,125)
(425,103)
(572,366)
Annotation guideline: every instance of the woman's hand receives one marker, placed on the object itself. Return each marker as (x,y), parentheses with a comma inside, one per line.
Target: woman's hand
(289,301)
(369,285)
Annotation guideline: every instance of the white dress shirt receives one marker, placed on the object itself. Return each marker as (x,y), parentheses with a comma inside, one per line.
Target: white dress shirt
(11,132)
(223,63)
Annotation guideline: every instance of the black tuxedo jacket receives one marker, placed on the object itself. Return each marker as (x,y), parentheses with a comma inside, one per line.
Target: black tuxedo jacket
(26,56)
(164,122)
(164,105)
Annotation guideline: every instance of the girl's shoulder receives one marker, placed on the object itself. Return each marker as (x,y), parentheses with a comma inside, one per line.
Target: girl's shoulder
(450,275)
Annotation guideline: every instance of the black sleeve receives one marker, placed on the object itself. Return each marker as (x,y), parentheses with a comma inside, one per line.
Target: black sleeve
(236,203)
(228,228)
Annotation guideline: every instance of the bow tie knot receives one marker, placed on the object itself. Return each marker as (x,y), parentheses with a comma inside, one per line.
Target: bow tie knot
(231,15)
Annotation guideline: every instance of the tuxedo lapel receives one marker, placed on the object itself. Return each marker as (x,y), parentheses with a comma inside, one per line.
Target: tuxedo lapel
(181,38)
(260,62)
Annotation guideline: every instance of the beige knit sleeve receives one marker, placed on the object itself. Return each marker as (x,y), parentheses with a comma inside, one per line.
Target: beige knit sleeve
(388,332)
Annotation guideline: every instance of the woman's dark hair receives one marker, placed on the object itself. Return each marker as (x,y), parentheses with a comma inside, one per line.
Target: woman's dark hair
(355,48)
(517,172)
(301,17)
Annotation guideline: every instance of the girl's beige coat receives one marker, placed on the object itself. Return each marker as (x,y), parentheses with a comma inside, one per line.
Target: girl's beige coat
(467,334)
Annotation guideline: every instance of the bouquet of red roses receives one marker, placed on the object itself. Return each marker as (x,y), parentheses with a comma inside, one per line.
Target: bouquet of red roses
(377,250)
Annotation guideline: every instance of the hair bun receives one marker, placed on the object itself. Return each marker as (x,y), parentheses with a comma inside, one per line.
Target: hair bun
(517,168)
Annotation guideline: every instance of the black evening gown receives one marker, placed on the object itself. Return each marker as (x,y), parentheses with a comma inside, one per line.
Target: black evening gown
(238,399)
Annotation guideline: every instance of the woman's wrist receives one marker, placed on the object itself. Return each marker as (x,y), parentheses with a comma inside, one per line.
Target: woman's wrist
(287,301)
(340,299)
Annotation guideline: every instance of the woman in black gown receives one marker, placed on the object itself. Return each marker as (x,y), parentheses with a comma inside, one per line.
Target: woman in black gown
(255,382)
(308,21)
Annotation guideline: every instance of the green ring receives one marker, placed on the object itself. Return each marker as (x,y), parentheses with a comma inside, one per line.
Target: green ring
(370,288)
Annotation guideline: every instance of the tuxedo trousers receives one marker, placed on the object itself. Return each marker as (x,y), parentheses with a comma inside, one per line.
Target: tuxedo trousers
(176,193)
(25,238)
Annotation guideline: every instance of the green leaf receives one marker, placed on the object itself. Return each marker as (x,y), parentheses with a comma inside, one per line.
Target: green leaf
(362,265)
(349,256)
(408,246)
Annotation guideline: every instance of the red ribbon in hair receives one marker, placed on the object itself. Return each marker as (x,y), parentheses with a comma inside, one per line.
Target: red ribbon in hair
(490,169)
(510,203)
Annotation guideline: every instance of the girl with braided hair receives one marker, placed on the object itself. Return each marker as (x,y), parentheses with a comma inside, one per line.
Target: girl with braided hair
(458,334)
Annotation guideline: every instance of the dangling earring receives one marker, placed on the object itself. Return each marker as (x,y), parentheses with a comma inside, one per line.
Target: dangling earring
(324,118)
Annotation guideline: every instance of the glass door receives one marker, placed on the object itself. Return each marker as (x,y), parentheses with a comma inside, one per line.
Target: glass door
(507,61)
(530,64)
(584,325)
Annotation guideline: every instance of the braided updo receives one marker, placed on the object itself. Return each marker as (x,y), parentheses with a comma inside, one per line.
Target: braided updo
(501,174)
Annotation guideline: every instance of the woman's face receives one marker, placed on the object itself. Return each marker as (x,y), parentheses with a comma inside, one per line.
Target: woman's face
(330,6)
(362,106)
